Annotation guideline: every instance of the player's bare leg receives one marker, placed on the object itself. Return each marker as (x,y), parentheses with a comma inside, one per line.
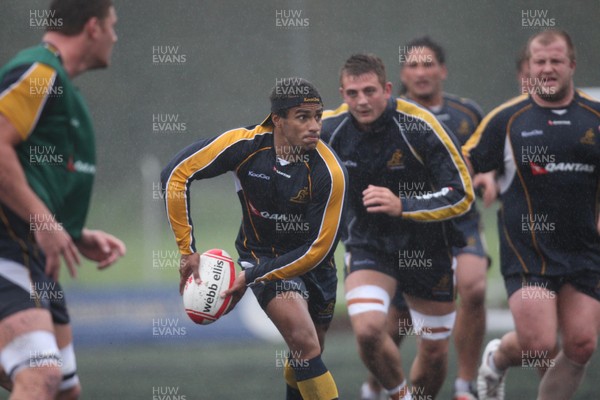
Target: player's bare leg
(430,365)
(291,317)
(579,332)
(368,295)
(469,329)
(534,311)
(38,381)
(396,318)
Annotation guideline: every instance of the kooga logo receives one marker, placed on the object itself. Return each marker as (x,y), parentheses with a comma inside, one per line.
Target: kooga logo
(259,176)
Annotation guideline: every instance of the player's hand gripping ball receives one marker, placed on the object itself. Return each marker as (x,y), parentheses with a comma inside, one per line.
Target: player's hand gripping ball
(203,302)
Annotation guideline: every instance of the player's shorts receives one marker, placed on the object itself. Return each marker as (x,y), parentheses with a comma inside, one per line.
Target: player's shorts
(318,287)
(23,288)
(419,274)
(470,227)
(585,281)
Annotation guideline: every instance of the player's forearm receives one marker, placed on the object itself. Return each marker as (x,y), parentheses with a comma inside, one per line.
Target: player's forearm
(448,202)
(289,265)
(15,191)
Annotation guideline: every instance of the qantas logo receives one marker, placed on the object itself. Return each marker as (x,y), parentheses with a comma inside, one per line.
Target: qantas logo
(274,217)
(553,122)
(561,167)
(281,173)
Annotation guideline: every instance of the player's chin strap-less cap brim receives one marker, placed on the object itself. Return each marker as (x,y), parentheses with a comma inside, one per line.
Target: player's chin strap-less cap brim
(290,102)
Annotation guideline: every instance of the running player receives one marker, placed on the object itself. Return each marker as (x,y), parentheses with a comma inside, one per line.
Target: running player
(283,173)
(423,74)
(546,143)
(47,159)
(407,179)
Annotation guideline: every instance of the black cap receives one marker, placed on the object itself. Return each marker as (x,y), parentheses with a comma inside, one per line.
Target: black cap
(292,92)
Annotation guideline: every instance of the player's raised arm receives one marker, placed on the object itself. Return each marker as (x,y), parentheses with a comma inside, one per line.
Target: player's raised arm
(437,150)
(204,159)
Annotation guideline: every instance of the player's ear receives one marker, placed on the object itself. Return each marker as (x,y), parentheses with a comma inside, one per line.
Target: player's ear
(92,27)
(387,89)
(276,120)
(444,72)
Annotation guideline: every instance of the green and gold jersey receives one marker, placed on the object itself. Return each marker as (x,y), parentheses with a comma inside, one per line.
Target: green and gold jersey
(57,151)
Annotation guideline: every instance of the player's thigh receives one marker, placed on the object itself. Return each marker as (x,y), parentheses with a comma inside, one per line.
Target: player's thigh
(370,277)
(22,322)
(535,313)
(579,320)
(64,335)
(291,317)
(368,294)
(398,321)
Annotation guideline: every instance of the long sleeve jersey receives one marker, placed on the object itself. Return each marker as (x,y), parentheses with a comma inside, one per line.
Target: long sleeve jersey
(291,210)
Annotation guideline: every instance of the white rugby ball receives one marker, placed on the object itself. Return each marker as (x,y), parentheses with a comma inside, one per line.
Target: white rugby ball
(203,302)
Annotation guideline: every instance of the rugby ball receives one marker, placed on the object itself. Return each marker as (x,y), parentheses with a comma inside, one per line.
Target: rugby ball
(203,302)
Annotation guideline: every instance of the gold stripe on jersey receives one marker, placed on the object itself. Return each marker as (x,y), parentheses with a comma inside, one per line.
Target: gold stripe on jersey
(525,190)
(329,224)
(510,243)
(476,136)
(23,101)
(464,204)
(590,109)
(587,96)
(332,113)
(176,185)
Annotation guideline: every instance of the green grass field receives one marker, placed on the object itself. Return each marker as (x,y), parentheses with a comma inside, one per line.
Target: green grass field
(249,371)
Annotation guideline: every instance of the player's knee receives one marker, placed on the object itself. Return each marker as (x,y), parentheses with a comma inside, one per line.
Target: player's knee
(580,349)
(473,294)
(43,382)
(305,341)
(370,334)
(368,306)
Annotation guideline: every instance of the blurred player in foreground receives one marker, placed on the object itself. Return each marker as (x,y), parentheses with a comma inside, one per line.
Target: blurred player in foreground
(291,188)
(407,178)
(546,143)
(47,164)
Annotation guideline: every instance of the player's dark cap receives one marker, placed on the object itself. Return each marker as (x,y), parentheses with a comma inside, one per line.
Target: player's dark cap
(292,92)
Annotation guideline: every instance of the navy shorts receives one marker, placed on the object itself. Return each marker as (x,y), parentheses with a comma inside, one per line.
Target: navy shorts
(318,287)
(420,274)
(470,227)
(586,282)
(22,288)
